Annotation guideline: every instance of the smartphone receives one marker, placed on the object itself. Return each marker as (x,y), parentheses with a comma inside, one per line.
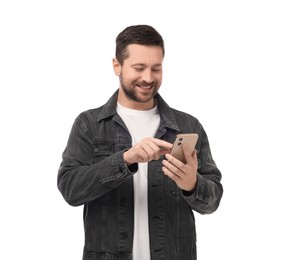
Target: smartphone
(189,139)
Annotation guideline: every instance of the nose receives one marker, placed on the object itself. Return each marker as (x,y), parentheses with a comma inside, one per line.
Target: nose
(147,76)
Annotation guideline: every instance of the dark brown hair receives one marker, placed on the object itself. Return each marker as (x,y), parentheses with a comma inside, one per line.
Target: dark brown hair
(136,34)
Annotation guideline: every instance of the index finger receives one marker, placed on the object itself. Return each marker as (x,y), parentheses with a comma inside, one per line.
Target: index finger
(162,144)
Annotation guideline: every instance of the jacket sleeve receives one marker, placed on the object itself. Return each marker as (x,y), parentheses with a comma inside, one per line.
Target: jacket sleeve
(206,197)
(80,178)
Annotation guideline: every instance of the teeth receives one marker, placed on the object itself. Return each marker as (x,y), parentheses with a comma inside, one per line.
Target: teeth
(147,87)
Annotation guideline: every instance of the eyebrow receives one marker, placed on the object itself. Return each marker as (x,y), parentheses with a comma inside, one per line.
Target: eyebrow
(143,64)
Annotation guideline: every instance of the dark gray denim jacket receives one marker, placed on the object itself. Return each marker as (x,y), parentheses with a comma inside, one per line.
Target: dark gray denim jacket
(94,174)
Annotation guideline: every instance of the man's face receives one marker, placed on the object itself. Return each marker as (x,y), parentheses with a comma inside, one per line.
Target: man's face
(140,76)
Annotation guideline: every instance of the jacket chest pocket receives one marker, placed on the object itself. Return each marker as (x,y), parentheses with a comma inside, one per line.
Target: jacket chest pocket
(102,148)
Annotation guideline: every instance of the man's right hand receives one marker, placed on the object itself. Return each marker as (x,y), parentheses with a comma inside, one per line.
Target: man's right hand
(146,150)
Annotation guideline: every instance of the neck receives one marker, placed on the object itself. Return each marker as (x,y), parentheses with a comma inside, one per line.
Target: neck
(129,103)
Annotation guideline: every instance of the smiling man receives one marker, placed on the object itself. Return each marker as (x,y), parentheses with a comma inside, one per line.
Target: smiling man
(140,76)
(138,199)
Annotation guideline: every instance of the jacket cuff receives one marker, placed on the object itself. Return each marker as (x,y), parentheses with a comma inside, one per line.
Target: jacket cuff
(197,193)
(120,167)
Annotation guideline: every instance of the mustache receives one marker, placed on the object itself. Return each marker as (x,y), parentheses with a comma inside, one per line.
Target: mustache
(146,84)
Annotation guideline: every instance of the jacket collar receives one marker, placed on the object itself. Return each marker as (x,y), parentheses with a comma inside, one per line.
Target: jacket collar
(167,115)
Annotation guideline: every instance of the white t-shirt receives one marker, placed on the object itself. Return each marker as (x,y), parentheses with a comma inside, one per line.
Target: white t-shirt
(140,123)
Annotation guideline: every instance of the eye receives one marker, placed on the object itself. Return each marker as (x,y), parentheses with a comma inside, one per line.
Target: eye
(158,68)
(139,68)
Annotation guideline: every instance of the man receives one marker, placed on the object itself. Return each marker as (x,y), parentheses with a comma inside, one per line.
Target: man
(138,199)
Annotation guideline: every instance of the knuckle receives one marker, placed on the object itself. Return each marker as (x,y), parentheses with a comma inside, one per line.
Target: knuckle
(182,166)
(177,172)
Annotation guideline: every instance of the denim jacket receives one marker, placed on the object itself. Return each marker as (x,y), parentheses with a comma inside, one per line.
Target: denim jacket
(93,173)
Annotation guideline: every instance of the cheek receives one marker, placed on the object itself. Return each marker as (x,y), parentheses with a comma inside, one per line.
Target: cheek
(158,77)
(130,75)
(159,80)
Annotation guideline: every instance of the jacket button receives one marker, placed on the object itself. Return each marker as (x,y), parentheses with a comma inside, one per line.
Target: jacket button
(123,200)
(124,235)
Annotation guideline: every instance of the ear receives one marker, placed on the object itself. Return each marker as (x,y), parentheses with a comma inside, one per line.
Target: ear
(116,67)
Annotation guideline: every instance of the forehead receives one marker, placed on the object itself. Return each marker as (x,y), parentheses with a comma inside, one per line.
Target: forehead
(150,55)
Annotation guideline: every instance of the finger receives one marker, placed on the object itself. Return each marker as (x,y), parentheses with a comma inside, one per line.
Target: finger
(194,155)
(187,153)
(177,168)
(158,150)
(149,149)
(169,166)
(170,174)
(174,161)
(162,144)
(142,155)
(153,150)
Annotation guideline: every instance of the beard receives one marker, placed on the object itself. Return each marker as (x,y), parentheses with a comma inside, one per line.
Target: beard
(131,91)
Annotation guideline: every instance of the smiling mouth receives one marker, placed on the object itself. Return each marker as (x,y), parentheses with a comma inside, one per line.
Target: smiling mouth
(144,86)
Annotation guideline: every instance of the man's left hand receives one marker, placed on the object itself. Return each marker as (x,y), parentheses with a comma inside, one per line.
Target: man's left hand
(185,175)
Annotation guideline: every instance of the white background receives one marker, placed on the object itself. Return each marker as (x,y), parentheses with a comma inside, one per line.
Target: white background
(226,63)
